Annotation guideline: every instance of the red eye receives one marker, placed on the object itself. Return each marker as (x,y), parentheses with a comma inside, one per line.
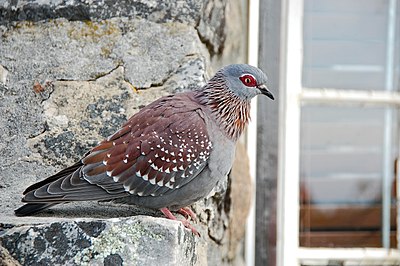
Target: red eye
(248,80)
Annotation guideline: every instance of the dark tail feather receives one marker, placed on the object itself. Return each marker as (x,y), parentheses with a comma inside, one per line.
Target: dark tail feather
(63,173)
(32,208)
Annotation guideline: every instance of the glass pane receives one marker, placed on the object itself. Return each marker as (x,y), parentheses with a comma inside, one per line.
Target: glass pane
(345,44)
(341,172)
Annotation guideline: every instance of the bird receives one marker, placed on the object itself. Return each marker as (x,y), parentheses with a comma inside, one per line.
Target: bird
(167,156)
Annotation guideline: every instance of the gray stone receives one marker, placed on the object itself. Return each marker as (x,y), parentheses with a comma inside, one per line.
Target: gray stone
(138,240)
(47,51)
(3,75)
(188,11)
(207,16)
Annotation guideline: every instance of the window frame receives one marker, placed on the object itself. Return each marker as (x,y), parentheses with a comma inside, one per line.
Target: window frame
(293,97)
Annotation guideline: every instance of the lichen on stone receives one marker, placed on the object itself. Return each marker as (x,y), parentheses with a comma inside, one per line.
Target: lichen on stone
(119,237)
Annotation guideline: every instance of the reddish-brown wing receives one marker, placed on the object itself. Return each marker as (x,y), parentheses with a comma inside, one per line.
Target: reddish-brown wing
(160,149)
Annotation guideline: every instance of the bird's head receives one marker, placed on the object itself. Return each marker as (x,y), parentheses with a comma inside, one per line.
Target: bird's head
(228,96)
(245,81)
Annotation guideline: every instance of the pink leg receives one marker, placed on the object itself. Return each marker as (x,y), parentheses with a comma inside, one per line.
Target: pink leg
(185,223)
(187,212)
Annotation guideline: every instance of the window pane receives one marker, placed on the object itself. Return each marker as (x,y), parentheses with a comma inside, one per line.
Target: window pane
(345,44)
(341,172)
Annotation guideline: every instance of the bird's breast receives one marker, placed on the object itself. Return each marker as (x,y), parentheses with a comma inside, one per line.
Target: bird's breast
(222,155)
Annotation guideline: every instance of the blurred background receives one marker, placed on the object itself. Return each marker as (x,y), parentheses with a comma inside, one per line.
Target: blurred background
(333,141)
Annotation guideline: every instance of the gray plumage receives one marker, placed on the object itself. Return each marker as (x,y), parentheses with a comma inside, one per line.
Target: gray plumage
(168,155)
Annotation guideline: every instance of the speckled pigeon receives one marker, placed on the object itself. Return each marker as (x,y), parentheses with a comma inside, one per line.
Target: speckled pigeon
(167,156)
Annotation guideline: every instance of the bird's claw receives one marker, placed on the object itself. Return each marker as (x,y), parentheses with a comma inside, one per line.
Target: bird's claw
(189,226)
(185,223)
(187,212)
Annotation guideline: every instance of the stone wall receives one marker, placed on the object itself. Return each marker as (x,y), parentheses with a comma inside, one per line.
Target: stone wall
(71,72)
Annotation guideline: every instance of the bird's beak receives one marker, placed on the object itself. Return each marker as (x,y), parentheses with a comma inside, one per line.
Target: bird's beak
(264,90)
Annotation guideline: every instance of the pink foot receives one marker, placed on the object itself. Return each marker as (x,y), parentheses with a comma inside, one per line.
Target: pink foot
(187,212)
(185,223)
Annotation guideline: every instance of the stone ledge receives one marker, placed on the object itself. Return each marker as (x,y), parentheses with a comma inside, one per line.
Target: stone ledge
(137,240)
(158,11)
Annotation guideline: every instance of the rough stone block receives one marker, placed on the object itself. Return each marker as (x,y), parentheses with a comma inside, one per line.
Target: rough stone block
(138,240)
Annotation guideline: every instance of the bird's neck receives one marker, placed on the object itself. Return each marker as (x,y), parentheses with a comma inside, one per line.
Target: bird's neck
(231,113)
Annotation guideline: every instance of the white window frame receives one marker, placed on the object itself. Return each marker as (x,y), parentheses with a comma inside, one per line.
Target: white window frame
(289,252)
(251,140)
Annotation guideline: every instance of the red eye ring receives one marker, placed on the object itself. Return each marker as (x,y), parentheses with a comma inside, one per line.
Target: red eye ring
(248,80)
